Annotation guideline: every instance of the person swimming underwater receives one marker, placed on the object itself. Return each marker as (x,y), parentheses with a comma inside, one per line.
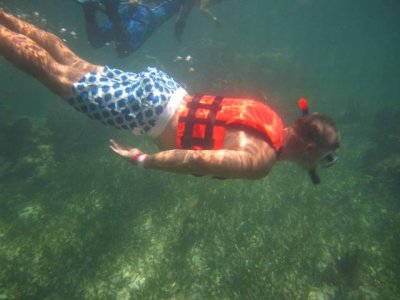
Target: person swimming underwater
(129,23)
(199,134)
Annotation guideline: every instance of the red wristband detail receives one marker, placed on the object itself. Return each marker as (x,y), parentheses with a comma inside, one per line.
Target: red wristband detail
(135,158)
(138,159)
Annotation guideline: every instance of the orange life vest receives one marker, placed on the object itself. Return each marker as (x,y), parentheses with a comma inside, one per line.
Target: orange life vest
(203,121)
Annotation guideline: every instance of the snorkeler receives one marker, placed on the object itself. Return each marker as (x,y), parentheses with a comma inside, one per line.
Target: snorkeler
(129,23)
(204,7)
(200,134)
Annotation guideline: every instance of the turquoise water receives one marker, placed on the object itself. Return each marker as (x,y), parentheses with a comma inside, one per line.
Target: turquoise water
(76,222)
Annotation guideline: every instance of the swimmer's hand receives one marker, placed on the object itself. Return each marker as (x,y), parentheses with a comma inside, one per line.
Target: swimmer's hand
(217,22)
(132,154)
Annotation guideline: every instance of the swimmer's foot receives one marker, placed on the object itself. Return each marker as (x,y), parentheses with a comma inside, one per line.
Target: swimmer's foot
(13,23)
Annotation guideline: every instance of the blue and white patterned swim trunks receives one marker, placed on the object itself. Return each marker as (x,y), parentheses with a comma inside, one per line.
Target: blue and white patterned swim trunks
(142,102)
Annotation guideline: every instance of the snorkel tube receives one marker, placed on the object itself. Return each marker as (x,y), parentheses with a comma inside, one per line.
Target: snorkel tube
(303,105)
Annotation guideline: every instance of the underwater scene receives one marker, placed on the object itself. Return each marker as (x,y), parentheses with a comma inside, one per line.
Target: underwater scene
(78,222)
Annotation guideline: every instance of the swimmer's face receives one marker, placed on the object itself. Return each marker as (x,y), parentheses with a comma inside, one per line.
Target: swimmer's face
(314,156)
(319,149)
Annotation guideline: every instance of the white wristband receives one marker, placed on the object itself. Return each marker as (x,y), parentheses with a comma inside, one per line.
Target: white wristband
(141,159)
(138,159)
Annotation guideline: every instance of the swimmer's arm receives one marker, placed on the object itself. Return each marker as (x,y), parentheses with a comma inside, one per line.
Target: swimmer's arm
(204,9)
(219,163)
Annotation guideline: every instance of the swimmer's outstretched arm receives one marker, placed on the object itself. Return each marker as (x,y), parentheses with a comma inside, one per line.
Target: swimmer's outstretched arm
(219,163)
(204,9)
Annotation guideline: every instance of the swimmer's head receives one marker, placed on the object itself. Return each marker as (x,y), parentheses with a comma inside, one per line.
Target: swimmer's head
(320,138)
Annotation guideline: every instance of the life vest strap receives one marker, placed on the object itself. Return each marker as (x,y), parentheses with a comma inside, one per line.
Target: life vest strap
(203,121)
(208,136)
(187,135)
(187,140)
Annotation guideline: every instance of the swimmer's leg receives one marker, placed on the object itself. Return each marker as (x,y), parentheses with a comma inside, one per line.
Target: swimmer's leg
(31,58)
(48,41)
(96,35)
(120,32)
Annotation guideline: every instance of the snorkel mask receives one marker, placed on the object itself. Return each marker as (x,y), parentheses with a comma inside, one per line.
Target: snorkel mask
(328,160)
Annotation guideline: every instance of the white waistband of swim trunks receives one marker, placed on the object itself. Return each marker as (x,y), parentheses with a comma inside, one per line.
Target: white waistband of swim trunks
(168,112)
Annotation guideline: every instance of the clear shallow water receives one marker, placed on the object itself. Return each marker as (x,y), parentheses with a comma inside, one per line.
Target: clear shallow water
(76,222)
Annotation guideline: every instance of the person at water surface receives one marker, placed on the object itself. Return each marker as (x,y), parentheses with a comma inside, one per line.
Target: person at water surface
(129,23)
(200,134)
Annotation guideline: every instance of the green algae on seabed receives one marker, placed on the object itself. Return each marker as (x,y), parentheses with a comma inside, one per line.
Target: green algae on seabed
(92,235)
(84,224)
(77,222)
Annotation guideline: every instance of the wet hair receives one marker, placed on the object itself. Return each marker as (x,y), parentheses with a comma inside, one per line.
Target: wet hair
(320,129)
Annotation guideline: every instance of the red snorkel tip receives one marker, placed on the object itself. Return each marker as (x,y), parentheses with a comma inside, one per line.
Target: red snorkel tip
(303,105)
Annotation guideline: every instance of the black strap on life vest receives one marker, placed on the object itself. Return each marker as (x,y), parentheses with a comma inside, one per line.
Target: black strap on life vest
(187,140)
